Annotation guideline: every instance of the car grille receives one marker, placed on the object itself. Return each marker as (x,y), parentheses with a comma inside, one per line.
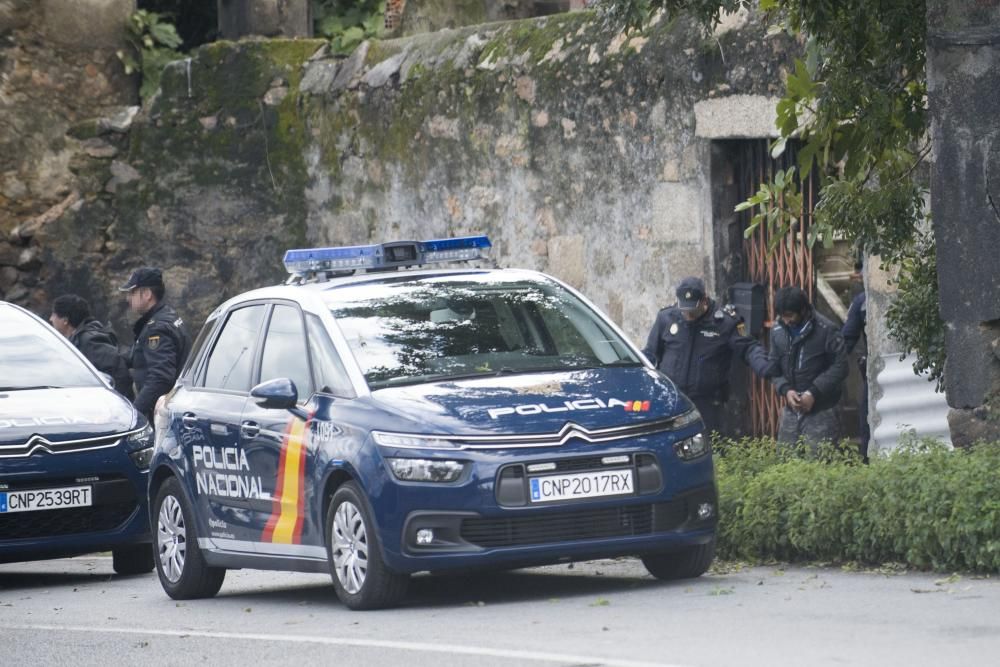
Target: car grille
(70,521)
(562,527)
(38,443)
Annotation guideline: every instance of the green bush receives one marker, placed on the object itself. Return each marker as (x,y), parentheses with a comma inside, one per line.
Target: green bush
(923,505)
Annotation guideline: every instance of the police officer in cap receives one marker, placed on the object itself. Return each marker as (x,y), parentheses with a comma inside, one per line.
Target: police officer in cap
(693,343)
(161,339)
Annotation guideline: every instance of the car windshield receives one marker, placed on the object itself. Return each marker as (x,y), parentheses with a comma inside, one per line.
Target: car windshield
(406,331)
(32,356)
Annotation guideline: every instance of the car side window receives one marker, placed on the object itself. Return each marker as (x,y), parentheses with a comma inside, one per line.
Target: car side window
(231,361)
(285,354)
(331,376)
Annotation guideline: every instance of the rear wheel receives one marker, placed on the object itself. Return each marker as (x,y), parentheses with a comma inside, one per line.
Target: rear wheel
(180,564)
(133,559)
(687,563)
(361,578)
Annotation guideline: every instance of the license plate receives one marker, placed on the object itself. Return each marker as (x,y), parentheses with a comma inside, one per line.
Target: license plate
(45,499)
(581,485)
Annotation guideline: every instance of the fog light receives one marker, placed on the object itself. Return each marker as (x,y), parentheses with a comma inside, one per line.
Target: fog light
(425,536)
(692,448)
(142,457)
(426,470)
(705,511)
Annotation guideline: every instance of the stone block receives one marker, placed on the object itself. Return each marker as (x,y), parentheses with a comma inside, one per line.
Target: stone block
(736,117)
(675,211)
(87,24)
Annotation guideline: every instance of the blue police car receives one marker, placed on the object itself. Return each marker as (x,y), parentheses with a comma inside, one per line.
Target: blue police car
(74,455)
(382,415)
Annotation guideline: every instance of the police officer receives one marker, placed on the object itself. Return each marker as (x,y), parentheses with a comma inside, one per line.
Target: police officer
(693,343)
(161,339)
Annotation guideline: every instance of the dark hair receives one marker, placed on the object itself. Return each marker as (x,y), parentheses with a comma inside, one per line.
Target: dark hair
(74,308)
(790,300)
(158,292)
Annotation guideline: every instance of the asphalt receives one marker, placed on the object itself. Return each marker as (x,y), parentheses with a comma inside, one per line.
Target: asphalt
(77,612)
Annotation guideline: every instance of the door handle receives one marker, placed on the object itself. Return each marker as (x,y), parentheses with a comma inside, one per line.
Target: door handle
(249,429)
(189,420)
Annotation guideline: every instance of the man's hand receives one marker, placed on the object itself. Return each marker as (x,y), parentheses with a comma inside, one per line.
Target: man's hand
(792,398)
(806,401)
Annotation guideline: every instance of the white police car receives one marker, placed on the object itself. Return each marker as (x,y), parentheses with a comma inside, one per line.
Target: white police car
(382,415)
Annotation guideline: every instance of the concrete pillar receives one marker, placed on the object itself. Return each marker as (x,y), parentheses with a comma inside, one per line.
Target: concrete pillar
(963,76)
(266,18)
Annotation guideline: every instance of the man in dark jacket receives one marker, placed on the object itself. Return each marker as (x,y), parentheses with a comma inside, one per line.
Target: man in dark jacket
(693,343)
(809,363)
(71,317)
(854,331)
(161,339)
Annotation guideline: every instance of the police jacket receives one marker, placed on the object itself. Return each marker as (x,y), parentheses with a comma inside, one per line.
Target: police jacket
(161,346)
(99,344)
(815,360)
(697,355)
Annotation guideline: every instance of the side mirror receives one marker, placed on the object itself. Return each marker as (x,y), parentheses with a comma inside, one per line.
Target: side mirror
(279,394)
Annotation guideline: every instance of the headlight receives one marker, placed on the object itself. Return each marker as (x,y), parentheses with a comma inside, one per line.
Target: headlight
(692,448)
(692,416)
(140,447)
(412,441)
(426,470)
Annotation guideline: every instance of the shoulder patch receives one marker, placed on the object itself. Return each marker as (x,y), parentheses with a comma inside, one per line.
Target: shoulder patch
(153,342)
(730,309)
(179,322)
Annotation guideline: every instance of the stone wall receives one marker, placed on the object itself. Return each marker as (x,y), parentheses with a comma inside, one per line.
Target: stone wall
(58,69)
(576,150)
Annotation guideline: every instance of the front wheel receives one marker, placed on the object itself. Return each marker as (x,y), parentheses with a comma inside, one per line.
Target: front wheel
(133,559)
(180,564)
(687,563)
(361,578)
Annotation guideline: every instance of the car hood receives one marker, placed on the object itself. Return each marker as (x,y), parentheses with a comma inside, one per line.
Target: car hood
(532,403)
(63,414)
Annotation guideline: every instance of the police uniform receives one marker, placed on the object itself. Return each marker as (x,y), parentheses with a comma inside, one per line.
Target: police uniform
(161,346)
(697,355)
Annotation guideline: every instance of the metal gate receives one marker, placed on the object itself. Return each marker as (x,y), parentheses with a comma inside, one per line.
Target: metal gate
(790,263)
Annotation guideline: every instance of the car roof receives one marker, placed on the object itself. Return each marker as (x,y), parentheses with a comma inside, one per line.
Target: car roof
(312,293)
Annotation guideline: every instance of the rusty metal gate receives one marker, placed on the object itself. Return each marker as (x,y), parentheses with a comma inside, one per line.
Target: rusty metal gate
(790,263)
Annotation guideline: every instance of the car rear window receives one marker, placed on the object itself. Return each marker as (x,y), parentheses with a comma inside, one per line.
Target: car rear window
(33,355)
(439,328)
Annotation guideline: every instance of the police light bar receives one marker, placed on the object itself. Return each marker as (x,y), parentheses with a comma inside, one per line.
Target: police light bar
(382,256)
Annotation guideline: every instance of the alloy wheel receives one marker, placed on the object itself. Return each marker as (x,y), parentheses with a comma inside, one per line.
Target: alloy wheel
(171,539)
(350,547)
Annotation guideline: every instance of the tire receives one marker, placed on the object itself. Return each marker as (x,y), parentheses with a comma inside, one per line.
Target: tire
(179,561)
(359,574)
(688,563)
(133,559)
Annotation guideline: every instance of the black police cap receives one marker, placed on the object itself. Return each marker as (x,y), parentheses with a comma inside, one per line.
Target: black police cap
(147,276)
(690,292)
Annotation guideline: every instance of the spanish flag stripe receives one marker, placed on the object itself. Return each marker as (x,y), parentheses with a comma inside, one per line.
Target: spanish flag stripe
(279,488)
(291,487)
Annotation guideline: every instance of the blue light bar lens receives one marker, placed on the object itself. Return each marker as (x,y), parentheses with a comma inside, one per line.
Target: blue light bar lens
(312,260)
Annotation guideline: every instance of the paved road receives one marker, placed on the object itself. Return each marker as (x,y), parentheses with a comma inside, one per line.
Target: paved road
(75,612)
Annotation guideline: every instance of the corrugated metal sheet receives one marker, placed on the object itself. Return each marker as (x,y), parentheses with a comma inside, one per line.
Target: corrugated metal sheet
(907,403)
